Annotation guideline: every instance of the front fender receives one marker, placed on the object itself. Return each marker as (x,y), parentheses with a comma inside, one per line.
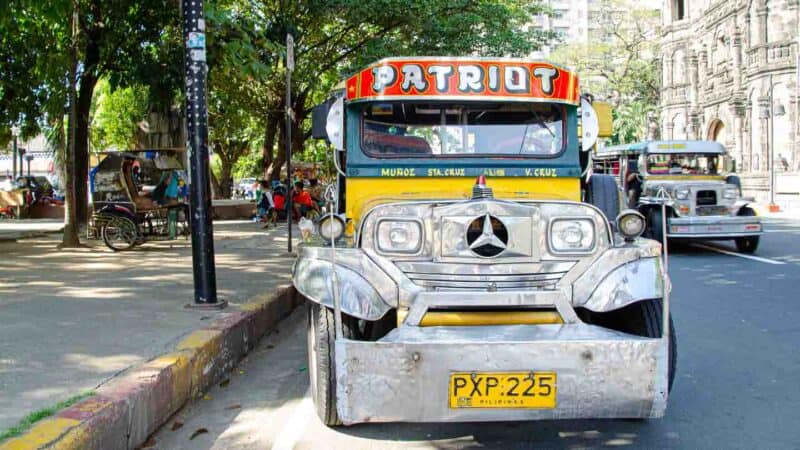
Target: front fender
(365,291)
(629,283)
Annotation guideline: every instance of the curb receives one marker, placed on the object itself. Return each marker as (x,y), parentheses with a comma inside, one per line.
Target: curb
(125,411)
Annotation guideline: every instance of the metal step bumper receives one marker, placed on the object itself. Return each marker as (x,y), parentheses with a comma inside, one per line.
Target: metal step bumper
(405,376)
(714,227)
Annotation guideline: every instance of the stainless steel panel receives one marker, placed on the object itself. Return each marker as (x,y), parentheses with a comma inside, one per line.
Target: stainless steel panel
(405,376)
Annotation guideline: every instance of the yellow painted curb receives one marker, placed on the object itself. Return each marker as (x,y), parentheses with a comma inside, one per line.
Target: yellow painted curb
(44,433)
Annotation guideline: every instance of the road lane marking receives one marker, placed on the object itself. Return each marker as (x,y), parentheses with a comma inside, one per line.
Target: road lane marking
(296,426)
(741,255)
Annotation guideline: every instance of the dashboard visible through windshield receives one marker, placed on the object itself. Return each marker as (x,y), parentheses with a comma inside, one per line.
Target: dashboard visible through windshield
(413,129)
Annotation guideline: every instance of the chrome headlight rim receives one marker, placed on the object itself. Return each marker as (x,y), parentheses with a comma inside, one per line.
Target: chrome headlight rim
(416,250)
(631,214)
(682,193)
(587,251)
(321,225)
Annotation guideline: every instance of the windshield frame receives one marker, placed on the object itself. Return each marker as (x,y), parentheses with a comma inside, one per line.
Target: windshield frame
(454,156)
(708,155)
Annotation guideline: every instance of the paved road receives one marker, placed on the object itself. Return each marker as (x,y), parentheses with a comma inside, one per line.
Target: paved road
(737,383)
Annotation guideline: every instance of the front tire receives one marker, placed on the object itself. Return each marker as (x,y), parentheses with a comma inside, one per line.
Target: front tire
(655,225)
(322,360)
(644,318)
(747,244)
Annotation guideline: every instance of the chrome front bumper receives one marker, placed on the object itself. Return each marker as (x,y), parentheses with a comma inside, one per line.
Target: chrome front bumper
(714,227)
(404,377)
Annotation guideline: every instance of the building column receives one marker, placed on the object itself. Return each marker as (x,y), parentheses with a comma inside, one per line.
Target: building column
(737,111)
(736,48)
(694,82)
(761,23)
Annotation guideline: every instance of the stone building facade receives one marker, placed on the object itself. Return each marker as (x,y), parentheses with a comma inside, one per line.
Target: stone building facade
(721,59)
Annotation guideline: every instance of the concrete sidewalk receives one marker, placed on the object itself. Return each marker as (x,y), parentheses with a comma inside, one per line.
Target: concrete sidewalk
(72,320)
(12,230)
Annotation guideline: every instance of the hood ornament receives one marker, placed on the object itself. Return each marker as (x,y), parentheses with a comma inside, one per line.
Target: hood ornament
(487,236)
(480,190)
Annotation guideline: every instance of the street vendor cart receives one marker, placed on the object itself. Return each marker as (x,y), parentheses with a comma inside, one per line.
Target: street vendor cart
(470,270)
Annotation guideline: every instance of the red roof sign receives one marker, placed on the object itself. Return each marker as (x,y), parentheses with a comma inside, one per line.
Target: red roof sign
(465,79)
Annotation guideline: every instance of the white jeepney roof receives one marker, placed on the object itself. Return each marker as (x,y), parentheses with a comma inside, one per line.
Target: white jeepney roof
(663,147)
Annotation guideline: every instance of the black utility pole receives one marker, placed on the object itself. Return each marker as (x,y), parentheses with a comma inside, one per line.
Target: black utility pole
(194,38)
(289,69)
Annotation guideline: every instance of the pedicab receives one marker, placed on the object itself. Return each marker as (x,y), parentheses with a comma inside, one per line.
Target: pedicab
(130,197)
(470,270)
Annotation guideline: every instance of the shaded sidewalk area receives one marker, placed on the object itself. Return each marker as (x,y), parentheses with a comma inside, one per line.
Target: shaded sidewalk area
(71,320)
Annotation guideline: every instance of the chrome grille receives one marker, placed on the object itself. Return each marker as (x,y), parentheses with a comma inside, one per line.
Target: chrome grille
(506,276)
(719,210)
(706,198)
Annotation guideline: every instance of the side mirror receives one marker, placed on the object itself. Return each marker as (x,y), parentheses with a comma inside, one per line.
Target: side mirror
(327,122)
(589,125)
(334,126)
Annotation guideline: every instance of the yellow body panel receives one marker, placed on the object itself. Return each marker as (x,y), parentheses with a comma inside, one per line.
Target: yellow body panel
(482,318)
(365,193)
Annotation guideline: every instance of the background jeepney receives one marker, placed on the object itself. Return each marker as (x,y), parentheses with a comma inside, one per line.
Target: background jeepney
(703,201)
(463,278)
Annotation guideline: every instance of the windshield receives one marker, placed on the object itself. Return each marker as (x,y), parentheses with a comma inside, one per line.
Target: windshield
(683,164)
(403,129)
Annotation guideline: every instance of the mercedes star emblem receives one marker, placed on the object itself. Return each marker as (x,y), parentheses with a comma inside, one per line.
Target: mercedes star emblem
(487,236)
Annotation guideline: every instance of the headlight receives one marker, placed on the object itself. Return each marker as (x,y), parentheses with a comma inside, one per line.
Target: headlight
(331,227)
(572,235)
(630,224)
(682,193)
(399,236)
(730,193)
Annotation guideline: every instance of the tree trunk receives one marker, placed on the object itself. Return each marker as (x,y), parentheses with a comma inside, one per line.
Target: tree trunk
(226,167)
(268,151)
(280,158)
(86,87)
(70,239)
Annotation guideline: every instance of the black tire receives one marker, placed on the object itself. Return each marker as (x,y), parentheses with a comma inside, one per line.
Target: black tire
(322,361)
(603,193)
(654,225)
(120,234)
(644,318)
(747,244)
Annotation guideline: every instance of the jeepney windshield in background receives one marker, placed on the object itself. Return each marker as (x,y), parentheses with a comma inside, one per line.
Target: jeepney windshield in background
(408,129)
(683,164)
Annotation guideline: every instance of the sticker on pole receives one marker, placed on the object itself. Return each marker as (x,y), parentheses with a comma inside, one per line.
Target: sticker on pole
(196,40)
(289,52)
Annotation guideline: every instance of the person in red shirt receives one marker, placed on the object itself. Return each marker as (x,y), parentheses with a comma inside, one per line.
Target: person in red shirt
(302,202)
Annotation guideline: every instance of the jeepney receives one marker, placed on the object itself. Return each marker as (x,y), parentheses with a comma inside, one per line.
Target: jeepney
(461,276)
(703,201)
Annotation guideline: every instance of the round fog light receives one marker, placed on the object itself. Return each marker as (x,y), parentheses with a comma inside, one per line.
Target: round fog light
(331,227)
(630,224)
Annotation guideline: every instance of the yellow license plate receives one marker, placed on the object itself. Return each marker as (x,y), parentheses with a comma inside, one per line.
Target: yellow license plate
(503,390)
